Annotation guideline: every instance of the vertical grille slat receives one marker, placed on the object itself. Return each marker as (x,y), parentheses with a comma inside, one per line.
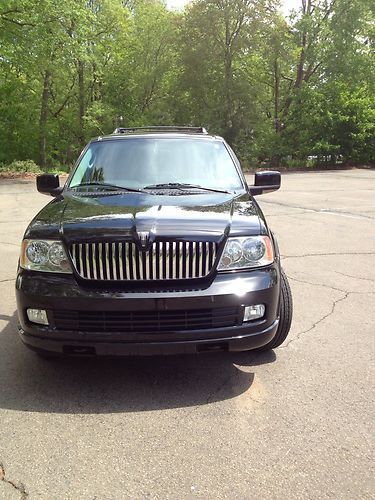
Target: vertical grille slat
(204,258)
(106,259)
(208,256)
(74,256)
(172,260)
(114,262)
(125,262)
(154,261)
(187,260)
(80,258)
(200,259)
(93,261)
(140,263)
(100,255)
(135,260)
(164,260)
(119,261)
(88,260)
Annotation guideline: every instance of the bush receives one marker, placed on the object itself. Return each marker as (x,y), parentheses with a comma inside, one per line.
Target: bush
(295,163)
(21,167)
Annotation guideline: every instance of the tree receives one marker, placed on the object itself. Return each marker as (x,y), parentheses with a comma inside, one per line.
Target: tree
(281,90)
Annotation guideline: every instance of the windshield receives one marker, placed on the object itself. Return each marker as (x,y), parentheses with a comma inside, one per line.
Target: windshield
(140,162)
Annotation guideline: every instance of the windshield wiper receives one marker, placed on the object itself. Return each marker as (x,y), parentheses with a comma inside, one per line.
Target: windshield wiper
(178,185)
(109,186)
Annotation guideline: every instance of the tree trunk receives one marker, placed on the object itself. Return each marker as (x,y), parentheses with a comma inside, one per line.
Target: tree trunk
(228,80)
(276,158)
(300,73)
(228,75)
(43,118)
(276,95)
(81,99)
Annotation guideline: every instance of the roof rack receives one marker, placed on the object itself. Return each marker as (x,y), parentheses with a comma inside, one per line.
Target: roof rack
(166,129)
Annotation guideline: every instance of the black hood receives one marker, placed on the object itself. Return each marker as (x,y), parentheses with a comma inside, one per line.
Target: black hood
(79,218)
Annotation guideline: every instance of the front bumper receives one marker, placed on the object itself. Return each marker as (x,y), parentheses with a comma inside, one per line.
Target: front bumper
(56,292)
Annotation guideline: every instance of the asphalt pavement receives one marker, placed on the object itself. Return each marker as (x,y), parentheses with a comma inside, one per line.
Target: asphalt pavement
(297,422)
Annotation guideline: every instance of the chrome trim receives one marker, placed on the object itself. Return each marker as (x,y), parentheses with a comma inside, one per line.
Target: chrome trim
(101,271)
(200,259)
(107,260)
(127,260)
(118,261)
(140,263)
(80,258)
(95,274)
(194,259)
(187,260)
(114,263)
(167,257)
(180,259)
(87,261)
(147,266)
(134,273)
(208,256)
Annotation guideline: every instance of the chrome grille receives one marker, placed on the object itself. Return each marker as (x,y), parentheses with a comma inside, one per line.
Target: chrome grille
(124,261)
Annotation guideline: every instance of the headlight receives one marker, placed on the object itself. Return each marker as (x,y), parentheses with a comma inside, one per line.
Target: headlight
(242,253)
(44,255)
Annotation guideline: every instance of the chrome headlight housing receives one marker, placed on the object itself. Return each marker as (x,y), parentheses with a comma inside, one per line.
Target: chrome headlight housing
(44,255)
(246,252)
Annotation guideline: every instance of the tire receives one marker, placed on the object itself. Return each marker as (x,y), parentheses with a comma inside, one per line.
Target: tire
(286,314)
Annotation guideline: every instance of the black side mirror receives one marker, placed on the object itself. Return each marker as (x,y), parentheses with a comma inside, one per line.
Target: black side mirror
(48,184)
(265,182)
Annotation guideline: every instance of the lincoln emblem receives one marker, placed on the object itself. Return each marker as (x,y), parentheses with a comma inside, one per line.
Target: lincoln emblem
(144,238)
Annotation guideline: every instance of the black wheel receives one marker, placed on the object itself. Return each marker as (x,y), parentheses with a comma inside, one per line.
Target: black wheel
(286,314)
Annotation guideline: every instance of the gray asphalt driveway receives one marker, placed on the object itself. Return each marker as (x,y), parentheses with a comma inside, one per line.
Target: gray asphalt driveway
(294,423)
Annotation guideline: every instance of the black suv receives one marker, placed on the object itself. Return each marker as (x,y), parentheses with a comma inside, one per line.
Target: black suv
(155,245)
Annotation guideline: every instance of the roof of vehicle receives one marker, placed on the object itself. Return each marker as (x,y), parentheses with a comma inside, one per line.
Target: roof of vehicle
(159,131)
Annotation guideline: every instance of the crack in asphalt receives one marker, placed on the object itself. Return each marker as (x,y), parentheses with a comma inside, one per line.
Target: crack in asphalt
(9,243)
(12,221)
(9,279)
(319,284)
(320,210)
(354,277)
(345,295)
(325,254)
(17,486)
(288,214)
(330,287)
(316,323)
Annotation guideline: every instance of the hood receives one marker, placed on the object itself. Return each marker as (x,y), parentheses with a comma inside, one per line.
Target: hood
(80,218)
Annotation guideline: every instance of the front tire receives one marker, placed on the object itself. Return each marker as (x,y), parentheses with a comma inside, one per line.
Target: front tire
(286,314)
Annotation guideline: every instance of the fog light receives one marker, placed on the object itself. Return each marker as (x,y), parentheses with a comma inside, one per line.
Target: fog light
(254,312)
(37,316)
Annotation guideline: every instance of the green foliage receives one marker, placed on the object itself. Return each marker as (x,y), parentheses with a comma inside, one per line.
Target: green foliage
(293,91)
(21,166)
(30,167)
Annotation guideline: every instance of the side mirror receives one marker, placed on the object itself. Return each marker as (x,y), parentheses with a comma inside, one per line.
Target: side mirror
(48,184)
(265,182)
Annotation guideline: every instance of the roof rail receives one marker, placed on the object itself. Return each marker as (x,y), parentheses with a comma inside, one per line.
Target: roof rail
(166,129)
